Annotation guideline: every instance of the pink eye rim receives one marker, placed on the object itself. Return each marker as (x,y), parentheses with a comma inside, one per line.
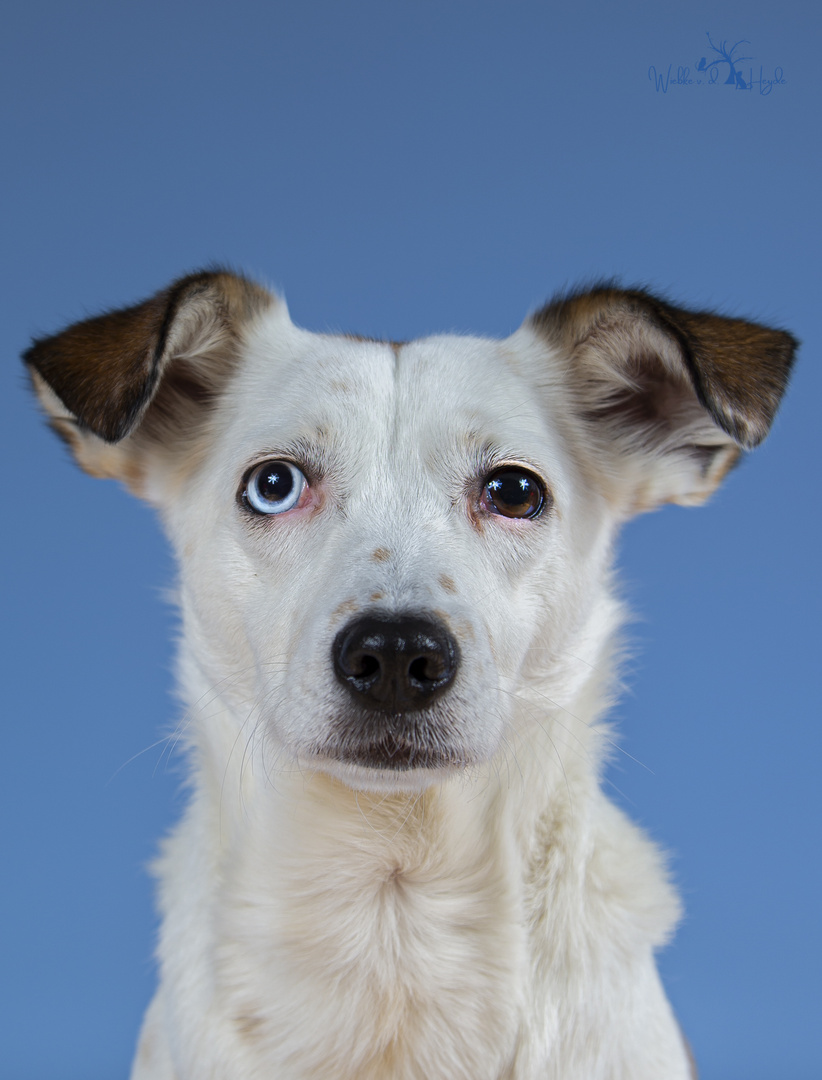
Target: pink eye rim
(273,487)
(515,493)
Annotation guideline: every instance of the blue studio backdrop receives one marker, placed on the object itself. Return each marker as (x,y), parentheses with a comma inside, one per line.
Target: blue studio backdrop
(400,169)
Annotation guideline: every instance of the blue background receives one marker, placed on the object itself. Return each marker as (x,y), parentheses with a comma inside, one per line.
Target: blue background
(400,169)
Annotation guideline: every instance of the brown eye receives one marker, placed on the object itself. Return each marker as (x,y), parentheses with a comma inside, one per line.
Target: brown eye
(513,493)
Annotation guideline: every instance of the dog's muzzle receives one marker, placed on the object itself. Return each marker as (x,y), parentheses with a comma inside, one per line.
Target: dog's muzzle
(395,665)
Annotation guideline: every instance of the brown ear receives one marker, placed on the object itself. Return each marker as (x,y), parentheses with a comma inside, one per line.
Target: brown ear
(682,390)
(104,378)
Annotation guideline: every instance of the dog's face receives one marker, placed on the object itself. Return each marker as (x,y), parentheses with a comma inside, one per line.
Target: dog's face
(375,534)
(376,541)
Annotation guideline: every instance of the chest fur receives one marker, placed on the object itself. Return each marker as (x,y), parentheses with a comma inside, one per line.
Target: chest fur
(376,947)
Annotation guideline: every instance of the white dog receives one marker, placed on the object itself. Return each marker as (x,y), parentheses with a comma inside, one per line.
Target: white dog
(398,643)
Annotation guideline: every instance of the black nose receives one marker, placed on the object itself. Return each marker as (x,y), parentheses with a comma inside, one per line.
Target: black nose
(395,664)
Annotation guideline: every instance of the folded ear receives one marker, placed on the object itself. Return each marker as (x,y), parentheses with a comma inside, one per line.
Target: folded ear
(115,384)
(669,397)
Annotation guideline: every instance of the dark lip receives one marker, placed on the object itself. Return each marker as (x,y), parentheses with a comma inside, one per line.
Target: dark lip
(391,756)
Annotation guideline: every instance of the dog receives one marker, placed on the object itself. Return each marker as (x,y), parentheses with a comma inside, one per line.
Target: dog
(400,637)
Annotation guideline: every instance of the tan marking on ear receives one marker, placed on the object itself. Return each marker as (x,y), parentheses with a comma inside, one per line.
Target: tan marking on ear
(741,371)
(721,466)
(725,460)
(106,370)
(102,460)
(381,554)
(738,369)
(102,369)
(243,299)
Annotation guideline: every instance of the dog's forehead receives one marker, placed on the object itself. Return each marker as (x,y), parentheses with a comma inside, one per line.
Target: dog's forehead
(437,387)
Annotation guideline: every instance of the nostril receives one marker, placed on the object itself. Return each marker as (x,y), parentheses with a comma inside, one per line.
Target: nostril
(426,670)
(368,665)
(356,663)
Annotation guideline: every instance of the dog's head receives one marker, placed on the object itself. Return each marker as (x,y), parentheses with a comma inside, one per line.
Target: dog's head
(380,544)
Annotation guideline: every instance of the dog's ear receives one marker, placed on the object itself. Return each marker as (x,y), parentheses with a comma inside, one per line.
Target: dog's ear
(116,384)
(670,397)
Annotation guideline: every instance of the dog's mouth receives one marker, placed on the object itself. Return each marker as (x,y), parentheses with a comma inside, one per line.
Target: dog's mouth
(395,743)
(389,755)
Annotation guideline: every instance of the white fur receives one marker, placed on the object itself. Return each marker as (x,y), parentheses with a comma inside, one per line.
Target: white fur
(324,921)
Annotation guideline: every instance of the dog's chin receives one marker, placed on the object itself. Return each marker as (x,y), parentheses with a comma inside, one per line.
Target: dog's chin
(386,769)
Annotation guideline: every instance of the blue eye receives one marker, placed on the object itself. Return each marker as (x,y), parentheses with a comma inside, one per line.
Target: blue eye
(274,487)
